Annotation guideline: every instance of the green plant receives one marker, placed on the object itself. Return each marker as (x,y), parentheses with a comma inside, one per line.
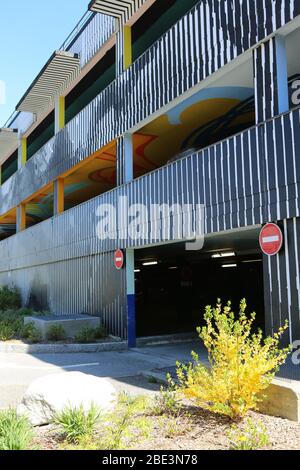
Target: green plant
(167,402)
(56,333)
(12,322)
(76,423)
(15,431)
(9,298)
(86,335)
(100,332)
(252,437)
(242,363)
(120,428)
(173,428)
(89,335)
(26,312)
(31,333)
(7,332)
(12,319)
(152,380)
(42,313)
(127,421)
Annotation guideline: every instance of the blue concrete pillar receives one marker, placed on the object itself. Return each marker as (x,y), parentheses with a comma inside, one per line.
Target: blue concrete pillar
(130,285)
(125,159)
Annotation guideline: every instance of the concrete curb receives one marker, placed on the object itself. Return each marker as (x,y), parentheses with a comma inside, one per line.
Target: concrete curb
(166,339)
(159,377)
(116,345)
(62,348)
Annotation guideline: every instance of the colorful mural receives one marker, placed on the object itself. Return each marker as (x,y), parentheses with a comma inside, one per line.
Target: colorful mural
(208,116)
(97,176)
(8,225)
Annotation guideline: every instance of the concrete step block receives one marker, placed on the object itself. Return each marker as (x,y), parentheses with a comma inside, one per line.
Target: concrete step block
(282,399)
(71,324)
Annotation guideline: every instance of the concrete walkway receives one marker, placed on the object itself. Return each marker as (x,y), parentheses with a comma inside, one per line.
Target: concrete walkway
(124,369)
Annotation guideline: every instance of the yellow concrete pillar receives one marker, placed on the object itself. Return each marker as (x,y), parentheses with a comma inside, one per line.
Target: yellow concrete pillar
(59,196)
(21,217)
(127,41)
(23,151)
(60,113)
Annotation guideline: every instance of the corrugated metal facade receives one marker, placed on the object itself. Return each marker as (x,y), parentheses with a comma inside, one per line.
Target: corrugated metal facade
(203,41)
(246,180)
(231,179)
(93,37)
(281,272)
(282,282)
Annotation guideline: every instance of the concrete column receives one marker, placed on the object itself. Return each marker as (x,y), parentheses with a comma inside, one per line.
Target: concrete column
(125,172)
(22,152)
(21,218)
(271,79)
(59,196)
(127,41)
(128,157)
(59,113)
(125,175)
(130,285)
(123,48)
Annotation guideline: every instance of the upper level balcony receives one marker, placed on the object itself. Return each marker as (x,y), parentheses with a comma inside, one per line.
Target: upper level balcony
(245,180)
(178,93)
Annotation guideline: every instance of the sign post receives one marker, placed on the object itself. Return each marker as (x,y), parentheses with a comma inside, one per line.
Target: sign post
(271,239)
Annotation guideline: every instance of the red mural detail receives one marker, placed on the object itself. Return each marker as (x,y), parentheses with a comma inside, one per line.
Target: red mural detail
(106,175)
(107,157)
(140,152)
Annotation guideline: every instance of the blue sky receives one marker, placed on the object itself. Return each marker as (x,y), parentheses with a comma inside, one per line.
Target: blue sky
(30,30)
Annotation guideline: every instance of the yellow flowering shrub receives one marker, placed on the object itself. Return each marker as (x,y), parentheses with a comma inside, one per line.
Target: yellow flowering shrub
(242,363)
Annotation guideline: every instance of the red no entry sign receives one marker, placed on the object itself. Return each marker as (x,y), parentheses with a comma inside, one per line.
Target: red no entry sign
(119,259)
(271,239)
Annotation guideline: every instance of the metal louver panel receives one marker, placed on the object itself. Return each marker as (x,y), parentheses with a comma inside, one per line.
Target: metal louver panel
(121,9)
(61,69)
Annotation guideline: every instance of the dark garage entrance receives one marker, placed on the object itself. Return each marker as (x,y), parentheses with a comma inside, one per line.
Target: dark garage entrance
(173,285)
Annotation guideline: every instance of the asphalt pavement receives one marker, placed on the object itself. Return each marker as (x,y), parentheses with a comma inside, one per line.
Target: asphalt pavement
(124,369)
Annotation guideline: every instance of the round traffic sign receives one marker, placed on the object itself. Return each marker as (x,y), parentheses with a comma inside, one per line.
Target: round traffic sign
(271,239)
(119,259)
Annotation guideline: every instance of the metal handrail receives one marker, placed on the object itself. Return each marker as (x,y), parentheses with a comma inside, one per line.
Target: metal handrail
(11,118)
(72,36)
(64,47)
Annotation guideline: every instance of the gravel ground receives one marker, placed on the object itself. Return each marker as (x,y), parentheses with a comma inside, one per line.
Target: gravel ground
(195,429)
(204,431)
